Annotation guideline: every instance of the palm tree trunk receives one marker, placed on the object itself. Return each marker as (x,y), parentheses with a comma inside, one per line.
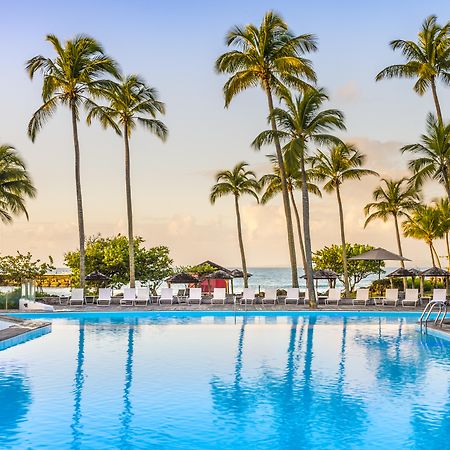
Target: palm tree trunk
(241,241)
(344,245)
(299,228)
(436,100)
(129,207)
(307,234)
(436,255)
(284,189)
(81,235)
(399,246)
(447,244)
(430,246)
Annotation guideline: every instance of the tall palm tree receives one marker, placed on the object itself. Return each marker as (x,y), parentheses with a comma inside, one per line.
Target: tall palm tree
(342,163)
(431,155)
(130,102)
(301,122)
(15,184)
(427,60)
(70,78)
(236,182)
(272,184)
(269,56)
(396,199)
(443,206)
(424,224)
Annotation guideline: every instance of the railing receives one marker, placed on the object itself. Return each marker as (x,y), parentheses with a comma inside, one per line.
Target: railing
(426,313)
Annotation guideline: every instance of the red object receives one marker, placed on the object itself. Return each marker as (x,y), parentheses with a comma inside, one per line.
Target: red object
(209,285)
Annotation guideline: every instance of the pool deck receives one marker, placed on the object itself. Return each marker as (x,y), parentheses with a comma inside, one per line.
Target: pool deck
(19,326)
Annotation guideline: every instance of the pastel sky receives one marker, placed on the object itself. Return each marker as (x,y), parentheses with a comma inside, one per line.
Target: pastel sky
(173,44)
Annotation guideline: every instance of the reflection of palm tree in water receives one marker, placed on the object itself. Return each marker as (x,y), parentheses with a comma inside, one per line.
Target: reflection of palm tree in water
(127,413)
(78,387)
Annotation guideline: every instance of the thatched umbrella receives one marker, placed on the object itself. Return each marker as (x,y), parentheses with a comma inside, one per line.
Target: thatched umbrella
(433,272)
(324,274)
(401,272)
(99,279)
(183,278)
(378,254)
(218,275)
(237,273)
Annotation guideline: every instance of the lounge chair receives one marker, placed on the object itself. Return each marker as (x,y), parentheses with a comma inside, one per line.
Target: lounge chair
(248,296)
(390,296)
(195,295)
(166,296)
(292,295)
(104,297)
(77,297)
(129,296)
(334,295)
(219,295)
(411,296)
(362,295)
(142,296)
(439,296)
(270,297)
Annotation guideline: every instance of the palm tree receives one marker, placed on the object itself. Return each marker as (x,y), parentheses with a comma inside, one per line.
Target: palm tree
(269,56)
(427,60)
(303,121)
(424,224)
(237,182)
(130,102)
(395,199)
(70,79)
(272,184)
(15,184)
(342,163)
(443,206)
(431,155)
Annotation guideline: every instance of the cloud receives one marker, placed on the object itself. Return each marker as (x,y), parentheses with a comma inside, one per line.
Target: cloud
(347,93)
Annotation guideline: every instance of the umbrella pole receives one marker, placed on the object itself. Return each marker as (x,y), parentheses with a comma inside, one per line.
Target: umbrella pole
(379,269)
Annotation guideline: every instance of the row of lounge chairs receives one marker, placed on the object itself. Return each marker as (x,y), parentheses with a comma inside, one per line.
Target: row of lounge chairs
(141,297)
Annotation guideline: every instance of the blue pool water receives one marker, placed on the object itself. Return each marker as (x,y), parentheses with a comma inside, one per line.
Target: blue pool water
(208,381)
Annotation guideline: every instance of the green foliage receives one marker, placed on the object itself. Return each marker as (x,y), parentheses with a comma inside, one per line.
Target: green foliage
(331,258)
(110,256)
(15,269)
(200,269)
(12,298)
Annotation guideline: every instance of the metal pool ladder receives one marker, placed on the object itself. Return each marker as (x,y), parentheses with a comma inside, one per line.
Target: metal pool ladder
(429,307)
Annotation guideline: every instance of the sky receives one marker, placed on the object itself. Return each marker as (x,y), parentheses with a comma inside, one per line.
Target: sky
(173,45)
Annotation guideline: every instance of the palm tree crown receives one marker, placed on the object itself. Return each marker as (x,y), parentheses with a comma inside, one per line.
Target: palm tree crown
(269,56)
(431,155)
(427,60)
(15,184)
(72,78)
(396,198)
(237,182)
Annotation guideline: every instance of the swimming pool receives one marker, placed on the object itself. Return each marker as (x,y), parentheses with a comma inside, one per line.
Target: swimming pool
(215,380)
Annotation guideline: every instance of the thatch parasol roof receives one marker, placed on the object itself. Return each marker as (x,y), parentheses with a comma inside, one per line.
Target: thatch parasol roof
(97,276)
(378,254)
(435,272)
(214,265)
(324,274)
(183,278)
(219,275)
(401,273)
(237,273)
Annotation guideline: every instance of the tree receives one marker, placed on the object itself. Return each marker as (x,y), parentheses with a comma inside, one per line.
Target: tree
(302,122)
(431,155)
(16,269)
(70,79)
(236,182)
(130,102)
(15,184)
(272,184)
(427,60)
(269,56)
(443,207)
(342,163)
(331,258)
(396,199)
(424,224)
(110,256)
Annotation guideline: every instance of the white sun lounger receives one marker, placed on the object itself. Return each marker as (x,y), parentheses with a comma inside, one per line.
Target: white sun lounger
(104,297)
(219,295)
(77,297)
(248,296)
(195,296)
(439,296)
(411,296)
(270,297)
(390,296)
(142,296)
(129,296)
(334,295)
(292,295)
(362,295)
(166,296)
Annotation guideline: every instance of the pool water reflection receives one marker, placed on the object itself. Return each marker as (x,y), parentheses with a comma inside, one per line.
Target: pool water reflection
(192,381)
